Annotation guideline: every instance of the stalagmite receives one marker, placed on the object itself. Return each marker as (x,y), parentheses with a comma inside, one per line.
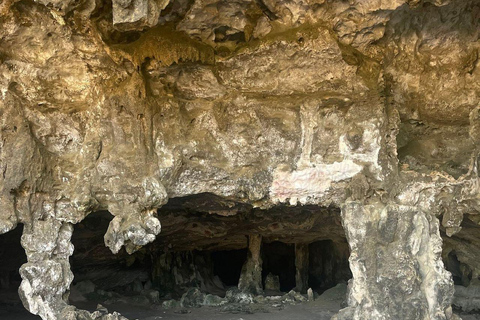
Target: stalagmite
(251,276)
(301,265)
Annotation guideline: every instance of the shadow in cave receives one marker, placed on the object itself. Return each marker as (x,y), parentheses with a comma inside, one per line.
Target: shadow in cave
(12,256)
(203,245)
(460,254)
(227,265)
(328,264)
(103,277)
(279,260)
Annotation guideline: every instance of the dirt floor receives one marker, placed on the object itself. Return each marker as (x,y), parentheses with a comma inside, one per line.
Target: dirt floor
(323,308)
(304,311)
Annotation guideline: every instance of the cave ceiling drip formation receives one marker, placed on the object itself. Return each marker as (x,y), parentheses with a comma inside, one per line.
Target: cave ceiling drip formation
(367,106)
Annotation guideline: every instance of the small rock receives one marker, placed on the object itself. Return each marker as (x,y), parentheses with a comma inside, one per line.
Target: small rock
(234,295)
(214,301)
(338,292)
(272,282)
(102,309)
(193,298)
(310,296)
(152,295)
(293,297)
(260,299)
(467,298)
(78,291)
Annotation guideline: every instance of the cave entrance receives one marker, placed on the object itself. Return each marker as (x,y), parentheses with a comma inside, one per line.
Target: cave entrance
(279,260)
(206,244)
(227,265)
(460,255)
(328,264)
(12,257)
(103,277)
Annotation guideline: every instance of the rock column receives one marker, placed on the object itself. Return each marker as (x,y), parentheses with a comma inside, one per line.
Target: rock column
(301,265)
(396,264)
(251,275)
(47,275)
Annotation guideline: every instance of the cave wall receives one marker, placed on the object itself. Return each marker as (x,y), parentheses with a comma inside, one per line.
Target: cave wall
(367,106)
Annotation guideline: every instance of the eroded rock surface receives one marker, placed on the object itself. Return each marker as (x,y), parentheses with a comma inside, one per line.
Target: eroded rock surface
(366,106)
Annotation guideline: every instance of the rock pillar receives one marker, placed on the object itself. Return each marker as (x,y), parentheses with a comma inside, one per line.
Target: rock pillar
(251,275)
(396,264)
(301,265)
(47,275)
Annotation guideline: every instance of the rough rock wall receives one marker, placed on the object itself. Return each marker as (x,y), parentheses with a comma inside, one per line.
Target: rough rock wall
(122,105)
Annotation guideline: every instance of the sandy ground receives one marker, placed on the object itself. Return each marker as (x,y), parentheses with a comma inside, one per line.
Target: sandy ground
(320,309)
(304,311)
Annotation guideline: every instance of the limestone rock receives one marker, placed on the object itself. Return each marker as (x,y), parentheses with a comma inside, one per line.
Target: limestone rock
(214,301)
(136,14)
(234,295)
(467,299)
(272,282)
(193,298)
(293,120)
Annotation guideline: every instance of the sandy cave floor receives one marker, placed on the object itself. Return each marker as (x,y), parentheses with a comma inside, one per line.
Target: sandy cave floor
(320,309)
(309,310)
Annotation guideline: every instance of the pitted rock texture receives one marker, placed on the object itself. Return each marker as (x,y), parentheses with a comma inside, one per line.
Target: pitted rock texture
(367,106)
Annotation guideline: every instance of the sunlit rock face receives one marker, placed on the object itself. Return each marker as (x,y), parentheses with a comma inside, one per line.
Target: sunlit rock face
(367,109)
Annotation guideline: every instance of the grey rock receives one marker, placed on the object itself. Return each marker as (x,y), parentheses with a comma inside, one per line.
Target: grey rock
(214,301)
(193,298)
(136,14)
(234,295)
(272,282)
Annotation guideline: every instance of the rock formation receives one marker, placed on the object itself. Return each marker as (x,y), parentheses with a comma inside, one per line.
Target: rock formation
(289,119)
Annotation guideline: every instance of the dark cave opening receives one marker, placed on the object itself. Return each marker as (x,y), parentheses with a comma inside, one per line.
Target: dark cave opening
(204,244)
(461,273)
(460,254)
(227,265)
(279,260)
(328,264)
(12,257)
(99,275)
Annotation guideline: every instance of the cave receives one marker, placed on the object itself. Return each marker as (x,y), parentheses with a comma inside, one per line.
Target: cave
(205,245)
(227,265)
(202,158)
(328,264)
(12,257)
(460,253)
(279,260)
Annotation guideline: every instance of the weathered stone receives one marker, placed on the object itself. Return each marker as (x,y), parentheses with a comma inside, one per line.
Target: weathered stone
(214,301)
(136,14)
(368,106)
(467,298)
(251,276)
(310,295)
(193,298)
(422,272)
(272,282)
(294,296)
(234,295)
